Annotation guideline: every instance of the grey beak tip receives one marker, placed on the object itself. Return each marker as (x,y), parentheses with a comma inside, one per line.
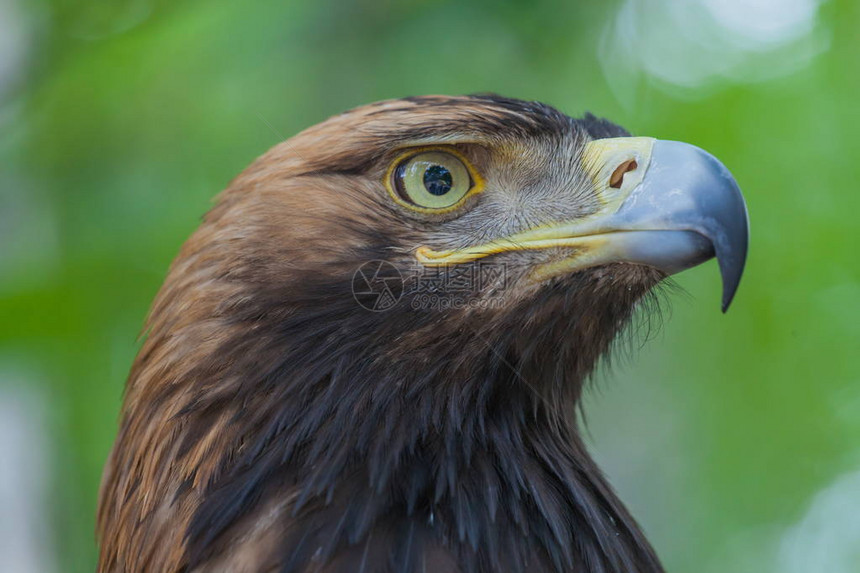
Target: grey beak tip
(731,275)
(728,296)
(731,280)
(718,210)
(732,255)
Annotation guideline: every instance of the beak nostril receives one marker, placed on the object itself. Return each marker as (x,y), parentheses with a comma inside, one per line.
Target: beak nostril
(617,177)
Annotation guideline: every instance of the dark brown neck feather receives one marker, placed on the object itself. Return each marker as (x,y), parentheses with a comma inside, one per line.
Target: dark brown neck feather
(387,438)
(466,441)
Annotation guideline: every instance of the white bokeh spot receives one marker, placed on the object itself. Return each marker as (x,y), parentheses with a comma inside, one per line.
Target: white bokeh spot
(690,45)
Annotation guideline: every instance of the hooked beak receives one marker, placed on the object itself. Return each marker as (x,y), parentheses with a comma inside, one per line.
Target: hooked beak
(665,204)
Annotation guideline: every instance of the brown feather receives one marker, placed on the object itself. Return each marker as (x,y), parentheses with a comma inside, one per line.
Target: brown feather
(272,424)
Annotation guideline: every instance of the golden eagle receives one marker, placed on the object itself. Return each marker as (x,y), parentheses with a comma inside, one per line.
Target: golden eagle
(368,357)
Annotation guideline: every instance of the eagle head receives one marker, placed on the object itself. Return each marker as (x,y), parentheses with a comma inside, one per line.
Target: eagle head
(369,355)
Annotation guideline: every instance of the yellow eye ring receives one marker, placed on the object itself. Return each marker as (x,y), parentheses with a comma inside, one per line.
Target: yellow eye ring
(432,179)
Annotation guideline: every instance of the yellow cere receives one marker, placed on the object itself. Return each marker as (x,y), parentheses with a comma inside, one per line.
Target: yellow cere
(601,157)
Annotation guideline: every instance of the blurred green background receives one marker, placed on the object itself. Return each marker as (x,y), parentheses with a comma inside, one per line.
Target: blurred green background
(734,438)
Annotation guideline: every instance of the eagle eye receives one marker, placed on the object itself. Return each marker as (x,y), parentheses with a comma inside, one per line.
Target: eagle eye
(431,180)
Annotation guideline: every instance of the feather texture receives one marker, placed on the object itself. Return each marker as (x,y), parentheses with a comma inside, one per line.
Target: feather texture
(271,423)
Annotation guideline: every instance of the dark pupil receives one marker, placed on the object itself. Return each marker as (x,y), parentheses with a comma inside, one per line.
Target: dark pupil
(437,180)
